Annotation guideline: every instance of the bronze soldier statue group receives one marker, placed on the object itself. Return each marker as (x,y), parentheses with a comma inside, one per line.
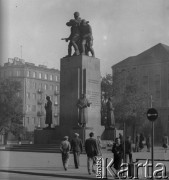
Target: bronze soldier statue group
(81,38)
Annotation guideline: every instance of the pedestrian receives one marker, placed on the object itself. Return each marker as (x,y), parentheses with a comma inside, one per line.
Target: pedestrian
(99,145)
(165,143)
(137,140)
(121,138)
(77,148)
(91,147)
(148,143)
(128,151)
(65,148)
(117,150)
(141,145)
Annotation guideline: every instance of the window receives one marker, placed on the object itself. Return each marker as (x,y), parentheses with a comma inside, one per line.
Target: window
(34,85)
(28,95)
(51,87)
(56,78)
(33,108)
(39,96)
(34,120)
(158,94)
(18,73)
(40,85)
(50,77)
(46,87)
(46,76)
(4,73)
(18,94)
(10,73)
(34,96)
(157,80)
(24,122)
(51,98)
(28,73)
(28,108)
(56,99)
(40,75)
(27,119)
(34,74)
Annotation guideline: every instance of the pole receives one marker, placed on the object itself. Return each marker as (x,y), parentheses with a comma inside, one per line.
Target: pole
(152,143)
(124,138)
(84,127)
(152,150)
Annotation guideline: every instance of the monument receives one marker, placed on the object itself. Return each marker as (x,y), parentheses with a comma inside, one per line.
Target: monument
(80,75)
(80,85)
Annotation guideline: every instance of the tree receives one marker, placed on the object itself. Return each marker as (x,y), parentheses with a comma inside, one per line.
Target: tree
(11,107)
(106,85)
(131,102)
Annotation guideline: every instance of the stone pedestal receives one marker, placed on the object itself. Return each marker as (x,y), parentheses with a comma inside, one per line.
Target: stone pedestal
(109,134)
(80,74)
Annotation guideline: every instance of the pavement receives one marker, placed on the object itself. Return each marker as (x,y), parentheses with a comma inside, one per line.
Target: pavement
(49,165)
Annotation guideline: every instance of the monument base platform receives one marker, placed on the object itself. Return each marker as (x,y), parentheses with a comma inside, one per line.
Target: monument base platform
(109,134)
(45,136)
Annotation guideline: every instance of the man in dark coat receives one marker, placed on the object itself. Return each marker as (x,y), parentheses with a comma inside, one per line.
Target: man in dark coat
(128,150)
(48,108)
(77,148)
(83,104)
(92,151)
(117,150)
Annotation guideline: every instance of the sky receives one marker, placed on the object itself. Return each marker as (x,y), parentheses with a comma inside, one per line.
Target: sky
(32,29)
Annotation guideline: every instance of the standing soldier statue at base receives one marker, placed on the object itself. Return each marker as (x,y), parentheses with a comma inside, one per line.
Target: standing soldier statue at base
(83,104)
(48,108)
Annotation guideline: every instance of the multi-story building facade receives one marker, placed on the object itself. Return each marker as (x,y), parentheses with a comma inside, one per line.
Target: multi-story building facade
(37,82)
(151,68)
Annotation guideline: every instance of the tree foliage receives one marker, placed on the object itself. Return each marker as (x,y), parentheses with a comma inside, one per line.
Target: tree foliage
(131,102)
(11,107)
(106,85)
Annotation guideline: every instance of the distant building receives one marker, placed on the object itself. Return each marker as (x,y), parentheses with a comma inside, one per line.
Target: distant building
(151,68)
(37,82)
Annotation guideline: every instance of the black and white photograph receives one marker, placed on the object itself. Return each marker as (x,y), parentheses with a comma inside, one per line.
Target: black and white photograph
(84,89)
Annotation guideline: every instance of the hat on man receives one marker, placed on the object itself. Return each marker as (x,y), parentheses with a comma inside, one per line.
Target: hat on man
(76,134)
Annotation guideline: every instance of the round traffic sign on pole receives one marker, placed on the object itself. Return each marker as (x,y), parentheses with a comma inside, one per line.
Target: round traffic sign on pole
(152,114)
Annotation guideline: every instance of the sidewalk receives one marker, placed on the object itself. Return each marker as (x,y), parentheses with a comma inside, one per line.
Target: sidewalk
(49,164)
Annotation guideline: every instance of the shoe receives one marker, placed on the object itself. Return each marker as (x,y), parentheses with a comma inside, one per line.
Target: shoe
(89,173)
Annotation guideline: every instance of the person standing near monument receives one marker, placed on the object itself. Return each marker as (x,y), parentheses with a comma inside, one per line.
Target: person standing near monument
(148,140)
(86,37)
(83,104)
(48,108)
(110,114)
(128,150)
(65,148)
(77,148)
(117,150)
(92,151)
